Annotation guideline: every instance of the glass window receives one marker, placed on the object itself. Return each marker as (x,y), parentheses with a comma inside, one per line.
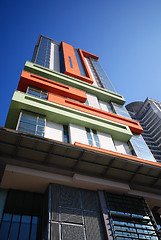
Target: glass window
(102,75)
(22,216)
(70,61)
(86,102)
(120,110)
(37,92)
(80,65)
(89,136)
(43,53)
(65,134)
(92,137)
(140,147)
(32,123)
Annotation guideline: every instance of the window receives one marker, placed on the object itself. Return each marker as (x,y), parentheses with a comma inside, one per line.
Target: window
(43,53)
(37,92)
(92,137)
(32,123)
(120,110)
(65,134)
(86,102)
(70,61)
(22,216)
(141,148)
(102,75)
(80,65)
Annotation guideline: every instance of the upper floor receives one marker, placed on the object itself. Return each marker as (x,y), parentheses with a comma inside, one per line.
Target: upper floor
(64,58)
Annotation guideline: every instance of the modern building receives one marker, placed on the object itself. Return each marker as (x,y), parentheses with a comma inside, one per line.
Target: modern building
(73,164)
(148,113)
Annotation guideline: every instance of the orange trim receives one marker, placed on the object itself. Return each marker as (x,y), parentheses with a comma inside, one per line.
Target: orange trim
(120,155)
(87,54)
(65,92)
(132,124)
(51,86)
(68,51)
(85,64)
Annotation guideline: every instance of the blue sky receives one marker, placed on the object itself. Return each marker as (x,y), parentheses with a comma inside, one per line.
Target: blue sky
(125,34)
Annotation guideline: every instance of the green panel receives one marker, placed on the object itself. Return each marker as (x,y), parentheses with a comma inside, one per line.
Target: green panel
(101,93)
(61,114)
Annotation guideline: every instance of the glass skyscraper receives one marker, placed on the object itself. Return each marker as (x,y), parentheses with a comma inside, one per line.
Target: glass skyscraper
(148,113)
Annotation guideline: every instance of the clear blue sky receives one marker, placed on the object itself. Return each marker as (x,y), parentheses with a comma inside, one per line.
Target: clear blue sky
(125,34)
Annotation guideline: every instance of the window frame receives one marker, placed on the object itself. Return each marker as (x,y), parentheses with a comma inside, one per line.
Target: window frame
(41,92)
(65,129)
(30,112)
(93,135)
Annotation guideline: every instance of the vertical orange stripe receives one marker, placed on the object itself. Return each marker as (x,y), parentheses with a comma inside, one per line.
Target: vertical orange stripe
(68,51)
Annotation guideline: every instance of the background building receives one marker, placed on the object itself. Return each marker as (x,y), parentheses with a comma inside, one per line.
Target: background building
(148,113)
(73,162)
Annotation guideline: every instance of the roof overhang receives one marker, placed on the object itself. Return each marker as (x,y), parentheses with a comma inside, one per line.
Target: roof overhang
(33,152)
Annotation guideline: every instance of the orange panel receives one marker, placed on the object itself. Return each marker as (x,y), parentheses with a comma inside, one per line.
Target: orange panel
(116,154)
(132,124)
(68,51)
(51,86)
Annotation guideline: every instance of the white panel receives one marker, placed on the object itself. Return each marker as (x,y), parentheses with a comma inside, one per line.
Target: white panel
(93,77)
(77,134)
(122,147)
(92,100)
(106,141)
(105,106)
(56,58)
(52,56)
(54,131)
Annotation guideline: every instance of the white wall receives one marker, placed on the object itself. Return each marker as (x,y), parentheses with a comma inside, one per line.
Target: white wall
(122,147)
(105,106)
(51,66)
(77,134)
(106,141)
(54,58)
(92,100)
(54,131)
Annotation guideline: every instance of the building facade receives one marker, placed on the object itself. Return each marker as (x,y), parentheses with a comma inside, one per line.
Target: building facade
(73,163)
(148,113)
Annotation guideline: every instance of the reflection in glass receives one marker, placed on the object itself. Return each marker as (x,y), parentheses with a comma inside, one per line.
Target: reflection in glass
(25,228)
(5,226)
(14,227)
